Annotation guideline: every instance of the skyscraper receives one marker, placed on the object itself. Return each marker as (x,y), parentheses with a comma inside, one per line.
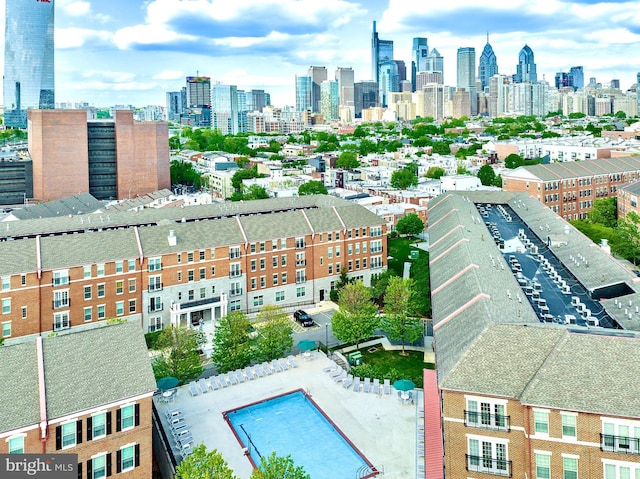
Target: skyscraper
(303,92)
(487,66)
(28,59)
(526,69)
(365,96)
(381,51)
(419,53)
(435,62)
(638,89)
(392,72)
(329,100)
(224,106)
(467,75)
(176,102)
(318,75)
(576,77)
(199,100)
(344,77)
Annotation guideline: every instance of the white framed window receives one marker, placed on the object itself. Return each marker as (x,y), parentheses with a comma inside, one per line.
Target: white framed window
(330,252)
(235,270)
(6,329)
(88,313)
(258,301)
(101,311)
(98,425)
(131,266)
(284,278)
(69,434)
(274,279)
(155,324)
(100,269)
(100,290)
(620,435)
(283,260)
(127,414)
(61,321)
(61,299)
(119,308)
(61,277)
(120,287)
(127,461)
(99,467)
(488,455)
(155,264)
(621,469)
(132,285)
(234,252)
(569,467)
(16,445)
(486,413)
(119,266)
(569,425)
(155,283)
(6,305)
(24,312)
(541,421)
(155,304)
(6,283)
(543,464)
(300,292)
(87,292)
(87,271)
(234,305)
(279,296)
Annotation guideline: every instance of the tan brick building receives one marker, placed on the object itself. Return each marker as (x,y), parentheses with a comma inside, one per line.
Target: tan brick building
(186,266)
(111,159)
(71,394)
(569,189)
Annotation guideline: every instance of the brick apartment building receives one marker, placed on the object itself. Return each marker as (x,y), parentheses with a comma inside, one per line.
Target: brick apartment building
(515,397)
(186,266)
(111,159)
(70,394)
(628,199)
(569,189)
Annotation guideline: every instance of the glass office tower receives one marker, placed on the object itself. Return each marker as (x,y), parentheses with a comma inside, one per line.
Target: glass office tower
(28,59)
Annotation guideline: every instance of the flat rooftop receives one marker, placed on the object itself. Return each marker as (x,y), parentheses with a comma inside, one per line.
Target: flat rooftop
(383,429)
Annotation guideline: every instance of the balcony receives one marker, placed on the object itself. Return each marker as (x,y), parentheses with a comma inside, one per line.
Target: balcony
(155,287)
(300,245)
(60,325)
(493,422)
(488,465)
(235,274)
(301,279)
(155,307)
(301,262)
(620,444)
(376,265)
(199,302)
(61,303)
(61,281)
(235,292)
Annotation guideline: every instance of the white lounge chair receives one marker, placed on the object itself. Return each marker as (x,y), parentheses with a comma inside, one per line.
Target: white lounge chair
(232,378)
(223,380)
(193,388)
(356,384)
(387,386)
(336,373)
(376,386)
(240,375)
(267,369)
(249,373)
(292,362)
(203,386)
(283,364)
(367,385)
(276,367)
(341,377)
(258,369)
(213,384)
(174,412)
(348,382)
(332,367)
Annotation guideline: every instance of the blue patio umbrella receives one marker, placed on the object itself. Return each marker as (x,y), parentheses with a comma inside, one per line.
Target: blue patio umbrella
(167,382)
(404,385)
(306,345)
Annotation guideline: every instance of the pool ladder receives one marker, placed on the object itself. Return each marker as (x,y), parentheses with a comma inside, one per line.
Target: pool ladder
(365,470)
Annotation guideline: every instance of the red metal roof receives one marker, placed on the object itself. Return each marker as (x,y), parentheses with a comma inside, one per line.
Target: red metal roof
(433,453)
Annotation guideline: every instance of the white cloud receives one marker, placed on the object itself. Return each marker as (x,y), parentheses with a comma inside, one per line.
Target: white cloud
(169,75)
(147,35)
(77,9)
(102,86)
(78,37)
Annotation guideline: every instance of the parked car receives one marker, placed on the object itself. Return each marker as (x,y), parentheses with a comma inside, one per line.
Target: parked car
(303,318)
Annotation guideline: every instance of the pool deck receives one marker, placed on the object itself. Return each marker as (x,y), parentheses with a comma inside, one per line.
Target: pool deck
(378,425)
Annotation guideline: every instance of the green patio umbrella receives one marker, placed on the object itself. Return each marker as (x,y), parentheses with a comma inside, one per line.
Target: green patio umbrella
(167,382)
(306,345)
(404,385)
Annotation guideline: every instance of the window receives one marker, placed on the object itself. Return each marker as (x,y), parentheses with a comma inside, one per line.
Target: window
(127,417)
(155,324)
(486,414)
(258,301)
(6,305)
(234,270)
(213,271)
(541,421)
(488,456)
(283,261)
(279,296)
(60,277)
(100,290)
(179,276)
(191,295)
(568,425)
(252,248)
(254,265)
(69,431)
(543,466)
(254,283)
(213,253)
(190,275)
(284,278)
(621,470)
(300,292)
(119,287)
(570,467)
(16,445)
(201,253)
(6,283)
(234,305)
(23,279)
(24,312)
(262,246)
(132,265)
(330,268)
(98,426)
(61,299)
(203,293)
(274,261)
(6,329)
(132,285)
(190,257)
(299,243)
(234,252)
(88,314)
(263,281)
(155,283)
(155,264)
(119,267)
(179,257)
(119,308)
(128,458)
(283,243)
(337,251)
(274,281)
(349,249)
(263,264)
(621,436)
(100,268)
(274,245)
(203,273)
(99,467)
(87,271)
(338,268)
(61,321)
(329,253)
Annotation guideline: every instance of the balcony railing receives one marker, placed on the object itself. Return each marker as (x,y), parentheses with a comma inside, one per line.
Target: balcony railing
(200,302)
(488,465)
(155,307)
(61,281)
(235,292)
(155,287)
(376,265)
(301,279)
(235,273)
(59,326)
(300,245)
(494,422)
(61,303)
(621,444)
(301,262)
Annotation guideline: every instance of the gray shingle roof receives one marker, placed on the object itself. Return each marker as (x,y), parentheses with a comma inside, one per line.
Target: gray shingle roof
(575,169)
(19,390)
(17,256)
(82,203)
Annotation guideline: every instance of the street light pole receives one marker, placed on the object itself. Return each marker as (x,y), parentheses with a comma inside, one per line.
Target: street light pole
(326,337)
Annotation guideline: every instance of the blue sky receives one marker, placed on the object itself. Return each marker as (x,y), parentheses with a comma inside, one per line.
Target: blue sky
(132,51)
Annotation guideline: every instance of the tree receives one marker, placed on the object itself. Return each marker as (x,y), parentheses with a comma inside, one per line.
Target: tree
(410,224)
(184,173)
(513,161)
(274,333)
(604,212)
(403,179)
(357,317)
(487,175)
(179,356)
(203,464)
(398,321)
(441,148)
(421,299)
(238,176)
(627,239)
(242,161)
(313,187)
(277,467)
(347,160)
(232,347)
(174,142)
(435,172)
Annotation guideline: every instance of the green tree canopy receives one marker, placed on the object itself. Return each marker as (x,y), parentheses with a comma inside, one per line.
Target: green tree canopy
(604,212)
(253,192)
(399,321)
(627,239)
(184,173)
(487,175)
(238,176)
(357,317)
(179,356)
(277,467)
(313,187)
(421,300)
(410,224)
(232,348)
(275,335)
(347,160)
(403,179)
(441,148)
(513,161)
(203,464)
(435,172)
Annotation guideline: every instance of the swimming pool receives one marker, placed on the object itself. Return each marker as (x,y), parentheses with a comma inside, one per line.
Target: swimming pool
(292,424)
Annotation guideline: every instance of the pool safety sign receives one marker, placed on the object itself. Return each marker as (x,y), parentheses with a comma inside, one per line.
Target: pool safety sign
(38,466)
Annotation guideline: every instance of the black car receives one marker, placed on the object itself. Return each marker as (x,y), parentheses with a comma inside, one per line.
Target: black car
(303,318)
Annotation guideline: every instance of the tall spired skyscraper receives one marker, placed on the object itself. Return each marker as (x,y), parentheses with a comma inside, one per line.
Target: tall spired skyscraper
(488,65)
(381,51)
(28,59)
(419,53)
(526,69)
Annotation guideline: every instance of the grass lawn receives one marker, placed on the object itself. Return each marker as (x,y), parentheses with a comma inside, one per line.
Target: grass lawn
(407,367)
(399,249)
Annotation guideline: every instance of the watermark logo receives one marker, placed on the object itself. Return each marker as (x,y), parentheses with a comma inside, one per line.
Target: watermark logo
(36,466)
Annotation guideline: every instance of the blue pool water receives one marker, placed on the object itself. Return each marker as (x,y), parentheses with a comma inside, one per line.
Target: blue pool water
(292,425)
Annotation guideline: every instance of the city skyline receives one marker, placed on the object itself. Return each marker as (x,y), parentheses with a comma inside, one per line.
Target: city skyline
(127,52)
